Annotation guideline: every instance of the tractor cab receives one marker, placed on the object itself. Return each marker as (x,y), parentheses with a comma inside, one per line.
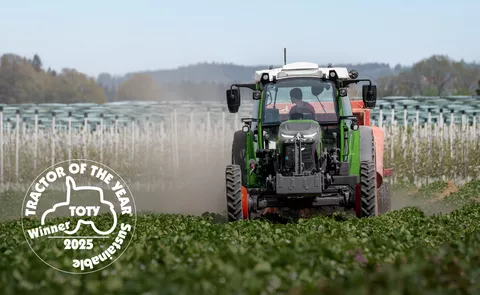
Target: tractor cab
(302,91)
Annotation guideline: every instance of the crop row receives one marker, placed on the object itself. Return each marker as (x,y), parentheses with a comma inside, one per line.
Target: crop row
(403,252)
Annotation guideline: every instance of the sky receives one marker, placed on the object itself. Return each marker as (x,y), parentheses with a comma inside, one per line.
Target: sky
(117,37)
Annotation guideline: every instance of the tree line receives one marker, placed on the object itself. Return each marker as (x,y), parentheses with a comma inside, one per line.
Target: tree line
(25,80)
(437,75)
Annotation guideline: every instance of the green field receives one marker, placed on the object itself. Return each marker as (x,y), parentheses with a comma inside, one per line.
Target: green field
(407,251)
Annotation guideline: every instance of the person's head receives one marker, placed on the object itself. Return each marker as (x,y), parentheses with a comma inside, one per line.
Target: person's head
(296,95)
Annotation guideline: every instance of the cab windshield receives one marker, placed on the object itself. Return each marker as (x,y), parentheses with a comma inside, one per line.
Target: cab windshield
(300,98)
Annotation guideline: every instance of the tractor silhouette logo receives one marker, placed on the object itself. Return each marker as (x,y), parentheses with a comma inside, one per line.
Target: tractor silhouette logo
(71,186)
(83,208)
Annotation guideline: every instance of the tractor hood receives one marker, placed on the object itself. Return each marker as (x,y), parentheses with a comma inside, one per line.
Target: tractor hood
(307,129)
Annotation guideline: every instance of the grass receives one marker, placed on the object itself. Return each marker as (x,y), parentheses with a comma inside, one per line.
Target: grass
(406,251)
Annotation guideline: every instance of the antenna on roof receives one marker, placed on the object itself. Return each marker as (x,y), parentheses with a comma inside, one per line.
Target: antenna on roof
(284,56)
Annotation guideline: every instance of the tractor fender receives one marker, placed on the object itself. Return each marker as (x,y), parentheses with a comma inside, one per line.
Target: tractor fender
(366,143)
(372,136)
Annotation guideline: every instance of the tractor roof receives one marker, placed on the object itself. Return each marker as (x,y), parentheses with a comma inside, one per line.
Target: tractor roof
(300,69)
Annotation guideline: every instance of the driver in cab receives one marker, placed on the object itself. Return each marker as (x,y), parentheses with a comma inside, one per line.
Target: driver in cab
(301,106)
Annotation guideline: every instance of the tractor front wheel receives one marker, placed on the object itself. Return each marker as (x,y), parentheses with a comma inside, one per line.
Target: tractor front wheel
(234,193)
(368,188)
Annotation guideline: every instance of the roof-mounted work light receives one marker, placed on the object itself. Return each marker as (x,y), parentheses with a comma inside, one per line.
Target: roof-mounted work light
(333,75)
(265,77)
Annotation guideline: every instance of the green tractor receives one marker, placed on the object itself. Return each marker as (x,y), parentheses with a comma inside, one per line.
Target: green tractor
(307,145)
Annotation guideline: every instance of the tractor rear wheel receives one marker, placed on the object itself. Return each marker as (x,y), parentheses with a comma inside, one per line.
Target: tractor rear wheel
(368,188)
(384,198)
(234,192)
(239,153)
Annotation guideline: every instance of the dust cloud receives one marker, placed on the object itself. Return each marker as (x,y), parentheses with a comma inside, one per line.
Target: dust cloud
(402,198)
(196,187)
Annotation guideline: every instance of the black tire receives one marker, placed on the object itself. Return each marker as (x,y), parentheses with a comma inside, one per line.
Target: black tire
(384,198)
(239,153)
(367,189)
(234,192)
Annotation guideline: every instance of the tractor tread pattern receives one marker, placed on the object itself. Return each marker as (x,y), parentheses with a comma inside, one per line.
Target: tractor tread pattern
(234,192)
(367,188)
(368,185)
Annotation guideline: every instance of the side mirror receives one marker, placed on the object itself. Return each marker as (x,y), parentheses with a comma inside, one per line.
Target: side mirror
(369,94)
(257,94)
(233,100)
